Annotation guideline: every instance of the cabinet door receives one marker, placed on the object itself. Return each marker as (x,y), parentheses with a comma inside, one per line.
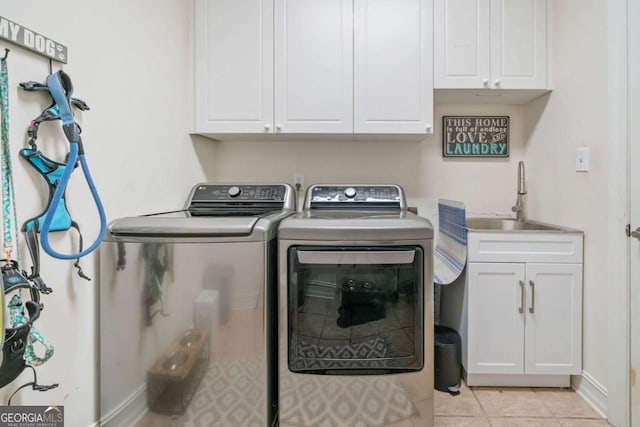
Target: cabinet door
(553,331)
(314,66)
(233,66)
(496,319)
(393,66)
(461,44)
(518,44)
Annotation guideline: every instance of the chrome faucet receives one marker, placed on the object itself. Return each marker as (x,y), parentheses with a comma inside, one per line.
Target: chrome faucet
(518,208)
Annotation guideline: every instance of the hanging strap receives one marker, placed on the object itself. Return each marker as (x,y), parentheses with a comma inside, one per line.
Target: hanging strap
(20,354)
(50,113)
(30,353)
(18,319)
(6,171)
(60,88)
(31,239)
(34,385)
(9,218)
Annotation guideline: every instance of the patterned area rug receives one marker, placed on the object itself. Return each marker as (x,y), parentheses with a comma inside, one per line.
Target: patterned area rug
(230,394)
(311,356)
(332,401)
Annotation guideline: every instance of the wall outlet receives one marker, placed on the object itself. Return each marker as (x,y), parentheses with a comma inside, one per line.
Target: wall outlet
(582,159)
(298,181)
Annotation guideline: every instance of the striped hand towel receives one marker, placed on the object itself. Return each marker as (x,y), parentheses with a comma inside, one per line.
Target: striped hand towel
(451,245)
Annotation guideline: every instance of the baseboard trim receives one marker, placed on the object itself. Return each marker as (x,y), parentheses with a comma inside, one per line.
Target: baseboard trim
(594,393)
(129,411)
(516,380)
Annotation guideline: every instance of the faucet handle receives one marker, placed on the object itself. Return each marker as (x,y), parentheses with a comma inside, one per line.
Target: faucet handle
(522,186)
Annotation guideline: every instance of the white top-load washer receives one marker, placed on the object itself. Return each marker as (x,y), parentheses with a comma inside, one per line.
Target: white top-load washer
(356,309)
(187,308)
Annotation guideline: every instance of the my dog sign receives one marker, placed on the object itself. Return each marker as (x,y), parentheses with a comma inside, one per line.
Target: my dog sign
(475,136)
(22,36)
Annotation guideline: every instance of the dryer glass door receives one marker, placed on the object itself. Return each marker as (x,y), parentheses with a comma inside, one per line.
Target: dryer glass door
(355,310)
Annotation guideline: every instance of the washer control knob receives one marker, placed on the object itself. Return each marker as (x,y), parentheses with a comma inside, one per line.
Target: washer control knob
(234,191)
(350,193)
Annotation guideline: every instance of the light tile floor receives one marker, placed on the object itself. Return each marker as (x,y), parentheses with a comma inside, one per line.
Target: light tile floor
(514,407)
(491,407)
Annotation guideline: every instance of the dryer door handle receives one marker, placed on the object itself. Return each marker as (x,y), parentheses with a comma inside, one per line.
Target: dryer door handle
(356,257)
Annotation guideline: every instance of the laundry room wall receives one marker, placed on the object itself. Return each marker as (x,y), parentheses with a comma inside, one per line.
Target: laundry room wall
(130,61)
(576,115)
(487,186)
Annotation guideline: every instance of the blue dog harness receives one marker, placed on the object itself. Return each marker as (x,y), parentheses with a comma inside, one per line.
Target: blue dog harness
(56,216)
(51,171)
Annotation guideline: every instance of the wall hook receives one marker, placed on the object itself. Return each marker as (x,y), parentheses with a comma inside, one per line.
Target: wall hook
(6,52)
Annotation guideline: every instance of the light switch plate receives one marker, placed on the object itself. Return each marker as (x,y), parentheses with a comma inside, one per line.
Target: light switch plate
(582,159)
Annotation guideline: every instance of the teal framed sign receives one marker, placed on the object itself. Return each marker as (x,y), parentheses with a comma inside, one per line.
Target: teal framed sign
(475,136)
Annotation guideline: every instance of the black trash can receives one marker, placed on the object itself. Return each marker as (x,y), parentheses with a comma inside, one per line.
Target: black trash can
(447,360)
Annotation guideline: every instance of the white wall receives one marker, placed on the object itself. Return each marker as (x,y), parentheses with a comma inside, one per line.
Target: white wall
(576,116)
(487,186)
(130,62)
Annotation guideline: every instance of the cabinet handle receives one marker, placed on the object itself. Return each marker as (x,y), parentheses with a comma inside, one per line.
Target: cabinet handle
(267,126)
(278,128)
(521,308)
(532,309)
(429,130)
(497,82)
(485,82)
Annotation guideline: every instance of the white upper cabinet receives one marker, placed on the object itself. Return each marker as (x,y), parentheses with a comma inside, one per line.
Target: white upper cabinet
(462,38)
(519,44)
(393,66)
(314,66)
(309,66)
(490,44)
(234,66)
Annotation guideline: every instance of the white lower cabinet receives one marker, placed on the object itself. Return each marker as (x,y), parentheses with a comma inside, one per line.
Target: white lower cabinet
(496,327)
(519,309)
(553,322)
(525,318)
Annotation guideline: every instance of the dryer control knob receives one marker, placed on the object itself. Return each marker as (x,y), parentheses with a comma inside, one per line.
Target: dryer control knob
(234,191)
(350,192)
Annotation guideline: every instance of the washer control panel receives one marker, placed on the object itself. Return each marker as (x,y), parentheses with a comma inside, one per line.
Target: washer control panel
(238,192)
(347,195)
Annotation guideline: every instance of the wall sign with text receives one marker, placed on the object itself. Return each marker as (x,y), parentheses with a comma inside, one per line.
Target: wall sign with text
(29,39)
(475,136)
